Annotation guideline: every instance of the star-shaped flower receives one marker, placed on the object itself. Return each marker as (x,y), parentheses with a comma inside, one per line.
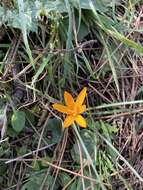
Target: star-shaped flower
(73,109)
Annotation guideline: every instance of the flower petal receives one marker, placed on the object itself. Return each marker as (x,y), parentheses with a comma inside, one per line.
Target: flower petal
(81,97)
(69,101)
(80,121)
(82,109)
(68,121)
(61,108)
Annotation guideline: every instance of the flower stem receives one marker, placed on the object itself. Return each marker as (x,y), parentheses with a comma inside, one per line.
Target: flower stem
(88,156)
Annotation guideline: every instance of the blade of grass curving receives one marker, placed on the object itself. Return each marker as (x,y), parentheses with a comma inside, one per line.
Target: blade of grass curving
(119,104)
(125,40)
(24,29)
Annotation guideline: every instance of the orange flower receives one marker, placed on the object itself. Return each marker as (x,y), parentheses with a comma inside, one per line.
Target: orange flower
(73,109)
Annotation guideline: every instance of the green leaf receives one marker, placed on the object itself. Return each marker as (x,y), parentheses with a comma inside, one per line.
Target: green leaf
(35,182)
(73,186)
(53,131)
(83,30)
(36,165)
(100,5)
(30,14)
(89,142)
(21,150)
(64,178)
(18,120)
(57,6)
(30,118)
(41,68)
(11,132)
(107,130)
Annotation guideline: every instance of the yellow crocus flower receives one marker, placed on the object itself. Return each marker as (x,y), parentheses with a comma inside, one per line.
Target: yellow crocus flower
(73,109)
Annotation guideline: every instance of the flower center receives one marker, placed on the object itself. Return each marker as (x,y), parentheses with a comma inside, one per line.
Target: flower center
(75,110)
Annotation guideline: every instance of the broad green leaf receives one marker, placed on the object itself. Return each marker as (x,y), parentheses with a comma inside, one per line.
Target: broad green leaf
(53,131)
(73,186)
(83,30)
(11,132)
(89,142)
(31,13)
(18,120)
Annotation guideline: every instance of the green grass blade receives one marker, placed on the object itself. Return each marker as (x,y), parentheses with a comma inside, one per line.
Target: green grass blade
(40,70)
(117,104)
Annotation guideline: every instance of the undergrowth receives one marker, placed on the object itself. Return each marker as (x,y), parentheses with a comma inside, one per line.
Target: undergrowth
(48,47)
